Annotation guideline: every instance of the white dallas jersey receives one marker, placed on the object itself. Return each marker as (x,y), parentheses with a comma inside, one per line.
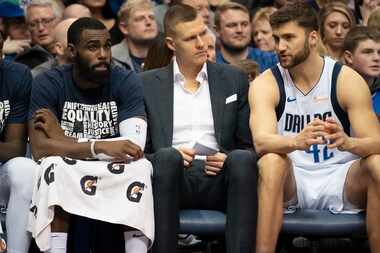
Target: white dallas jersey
(295,110)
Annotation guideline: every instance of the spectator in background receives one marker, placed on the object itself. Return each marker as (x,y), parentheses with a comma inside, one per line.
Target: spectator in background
(16,171)
(210,41)
(364,8)
(336,19)
(233,27)
(262,31)
(158,55)
(138,24)
(362,53)
(62,55)
(41,17)
(102,11)
(374,19)
(15,28)
(76,11)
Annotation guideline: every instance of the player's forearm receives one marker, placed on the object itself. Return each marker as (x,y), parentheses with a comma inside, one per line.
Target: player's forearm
(363,147)
(69,148)
(274,143)
(9,150)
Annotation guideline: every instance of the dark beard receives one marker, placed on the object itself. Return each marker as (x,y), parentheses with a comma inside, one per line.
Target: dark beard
(299,57)
(90,73)
(233,49)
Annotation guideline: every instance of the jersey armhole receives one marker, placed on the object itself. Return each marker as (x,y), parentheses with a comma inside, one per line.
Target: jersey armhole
(340,113)
(280,83)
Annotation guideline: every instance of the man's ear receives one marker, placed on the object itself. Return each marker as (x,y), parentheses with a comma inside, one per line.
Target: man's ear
(170,43)
(123,28)
(313,38)
(348,57)
(72,51)
(58,48)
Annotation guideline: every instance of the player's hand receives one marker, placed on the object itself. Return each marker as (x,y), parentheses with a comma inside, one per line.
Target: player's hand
(187,155)
(214,163)
(46,121)
(336,137)
(15,46)
(313,133)
(120,150)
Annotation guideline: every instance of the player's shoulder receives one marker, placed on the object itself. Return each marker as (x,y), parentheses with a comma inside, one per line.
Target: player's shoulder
(265,80)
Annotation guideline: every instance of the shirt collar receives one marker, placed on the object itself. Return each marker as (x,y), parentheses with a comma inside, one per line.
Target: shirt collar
(179,78)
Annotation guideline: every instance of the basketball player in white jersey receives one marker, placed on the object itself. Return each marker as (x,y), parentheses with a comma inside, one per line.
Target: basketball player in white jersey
(315,131)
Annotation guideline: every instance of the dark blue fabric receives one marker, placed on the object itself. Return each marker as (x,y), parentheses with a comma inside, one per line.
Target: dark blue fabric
(15,86)
(265,60)
(94,113)
(376,102)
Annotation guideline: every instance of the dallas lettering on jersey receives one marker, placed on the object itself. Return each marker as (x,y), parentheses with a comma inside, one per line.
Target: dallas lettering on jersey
(90,121)
(295,122)
(4,112)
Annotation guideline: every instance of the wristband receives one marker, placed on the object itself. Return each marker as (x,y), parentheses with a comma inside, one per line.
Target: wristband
(92,148)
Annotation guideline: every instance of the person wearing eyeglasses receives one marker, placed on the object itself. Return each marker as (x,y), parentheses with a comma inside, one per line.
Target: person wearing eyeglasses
(41,17)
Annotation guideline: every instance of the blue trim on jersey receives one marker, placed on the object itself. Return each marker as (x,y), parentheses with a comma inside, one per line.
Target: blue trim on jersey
(280,82)
(340,113)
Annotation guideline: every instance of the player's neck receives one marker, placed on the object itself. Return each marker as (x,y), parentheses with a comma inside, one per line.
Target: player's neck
(234,56)
(307,74)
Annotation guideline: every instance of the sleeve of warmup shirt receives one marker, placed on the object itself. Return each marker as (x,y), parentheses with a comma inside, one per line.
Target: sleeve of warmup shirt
(130,100)
(45,92)
(19,80)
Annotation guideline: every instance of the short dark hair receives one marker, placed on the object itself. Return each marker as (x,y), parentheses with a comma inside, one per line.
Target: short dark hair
(229,6)
(359,34)
(299,12)
(75,30)
(176,14)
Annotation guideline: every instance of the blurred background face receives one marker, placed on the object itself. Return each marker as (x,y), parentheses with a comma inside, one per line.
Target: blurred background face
(210,43)
(262,35)
(366,58)
(371,4)
(17,28)
(235,30)
(202,7)
(41,22)
(142,26)
(336,27)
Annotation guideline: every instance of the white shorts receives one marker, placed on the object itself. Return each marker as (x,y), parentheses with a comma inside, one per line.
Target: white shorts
(113,192)
(322,189)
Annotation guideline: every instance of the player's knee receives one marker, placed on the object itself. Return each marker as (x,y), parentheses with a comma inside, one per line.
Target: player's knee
(21,172)
(167,164)
(373,166)
(274,168)
(241,165)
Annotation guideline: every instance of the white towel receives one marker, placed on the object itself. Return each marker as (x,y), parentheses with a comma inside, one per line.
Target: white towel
(113,192)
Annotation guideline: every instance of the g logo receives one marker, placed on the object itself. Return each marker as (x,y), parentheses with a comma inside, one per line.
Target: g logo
(49,174)
(69,161)
(116,168)
(88,184)
(134,191)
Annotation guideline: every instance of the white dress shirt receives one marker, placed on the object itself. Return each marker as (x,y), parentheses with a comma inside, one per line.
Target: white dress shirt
(192,113)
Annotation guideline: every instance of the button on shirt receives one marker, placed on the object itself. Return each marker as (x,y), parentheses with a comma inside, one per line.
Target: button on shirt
(192,113)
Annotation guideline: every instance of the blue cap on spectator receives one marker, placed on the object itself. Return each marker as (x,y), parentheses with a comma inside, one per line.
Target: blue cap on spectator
(10,9)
